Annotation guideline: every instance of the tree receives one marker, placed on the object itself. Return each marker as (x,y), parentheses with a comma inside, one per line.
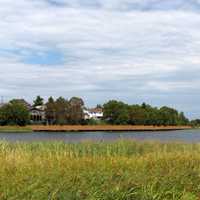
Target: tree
(50,111)
(21,101)
(99,106)
(39,101)
(14,113)
(116,112)
(137,115)
(62,111)
(182,119)
(195,123)
(152,115)
(169,116)
(76,115)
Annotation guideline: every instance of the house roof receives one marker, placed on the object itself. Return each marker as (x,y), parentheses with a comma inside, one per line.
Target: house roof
(96,110)
(36,109)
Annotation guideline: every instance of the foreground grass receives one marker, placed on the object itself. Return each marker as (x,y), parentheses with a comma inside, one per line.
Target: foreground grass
(15,129)
(100,171)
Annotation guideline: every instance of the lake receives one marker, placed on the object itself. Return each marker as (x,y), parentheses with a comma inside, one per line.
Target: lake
(183,135)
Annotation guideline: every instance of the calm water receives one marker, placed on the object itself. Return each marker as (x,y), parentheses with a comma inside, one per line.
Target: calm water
(186,135)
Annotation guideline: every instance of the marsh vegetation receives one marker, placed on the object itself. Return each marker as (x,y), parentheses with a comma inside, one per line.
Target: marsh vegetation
(122,170)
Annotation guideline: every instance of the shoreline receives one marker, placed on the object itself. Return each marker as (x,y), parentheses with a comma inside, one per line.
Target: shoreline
(110,128)
(88,128)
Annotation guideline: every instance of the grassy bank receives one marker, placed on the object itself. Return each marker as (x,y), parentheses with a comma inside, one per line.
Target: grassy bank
(100,171)
(15,129)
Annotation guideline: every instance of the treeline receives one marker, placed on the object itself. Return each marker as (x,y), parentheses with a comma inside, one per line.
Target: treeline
(116,112)
(61,111)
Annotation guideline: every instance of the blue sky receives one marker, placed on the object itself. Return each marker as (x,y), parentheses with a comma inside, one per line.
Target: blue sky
(131,50)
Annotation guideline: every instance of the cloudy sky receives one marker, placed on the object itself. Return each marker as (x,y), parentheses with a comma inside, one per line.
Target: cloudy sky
(131,50)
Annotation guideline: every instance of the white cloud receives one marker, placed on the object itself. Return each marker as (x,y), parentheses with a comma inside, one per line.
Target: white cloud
(103,49)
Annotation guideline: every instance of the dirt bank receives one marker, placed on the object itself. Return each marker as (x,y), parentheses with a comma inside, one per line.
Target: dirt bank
(68,128)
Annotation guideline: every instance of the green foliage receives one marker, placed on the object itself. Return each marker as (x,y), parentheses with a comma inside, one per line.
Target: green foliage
(116,112)
(92,122)
(123,170)
(95,122)
(14,113)
(137,115)
(182,120)
(195,123)
(70,112)
(39,101)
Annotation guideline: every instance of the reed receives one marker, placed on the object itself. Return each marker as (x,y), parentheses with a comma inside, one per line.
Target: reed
(123,170)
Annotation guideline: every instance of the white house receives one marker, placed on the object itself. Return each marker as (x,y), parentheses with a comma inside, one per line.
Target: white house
(37,114)
(94,113)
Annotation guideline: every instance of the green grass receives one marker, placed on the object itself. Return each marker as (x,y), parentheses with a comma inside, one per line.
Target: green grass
(122,170)
(14,129)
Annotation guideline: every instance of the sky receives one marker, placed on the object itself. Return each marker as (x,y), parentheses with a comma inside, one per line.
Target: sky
(130,50)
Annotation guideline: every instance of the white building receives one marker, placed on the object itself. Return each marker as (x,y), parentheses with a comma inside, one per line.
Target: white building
(94,113)
(37,114)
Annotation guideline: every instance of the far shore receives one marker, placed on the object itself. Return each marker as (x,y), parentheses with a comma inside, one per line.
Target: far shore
(89,128)
(93,128)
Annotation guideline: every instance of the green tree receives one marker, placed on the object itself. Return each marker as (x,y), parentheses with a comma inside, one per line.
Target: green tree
(116,112)
(195,123)
(39,101)
(169,116)
(137,115)
(152,115)
(182,120)
(14,113)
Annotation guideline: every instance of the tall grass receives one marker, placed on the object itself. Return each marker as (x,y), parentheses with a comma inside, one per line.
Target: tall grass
(122,170)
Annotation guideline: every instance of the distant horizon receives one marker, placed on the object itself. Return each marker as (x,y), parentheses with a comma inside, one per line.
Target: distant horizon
(129,50)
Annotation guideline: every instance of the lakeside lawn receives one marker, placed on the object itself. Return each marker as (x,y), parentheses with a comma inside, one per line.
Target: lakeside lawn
(15,129)
(122,170)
